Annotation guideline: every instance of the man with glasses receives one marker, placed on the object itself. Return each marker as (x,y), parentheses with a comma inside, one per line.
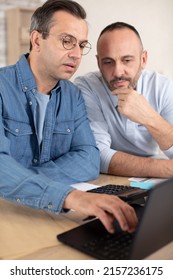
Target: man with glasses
(46,143)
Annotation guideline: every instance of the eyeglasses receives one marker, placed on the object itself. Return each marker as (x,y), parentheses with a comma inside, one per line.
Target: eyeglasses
(69,42)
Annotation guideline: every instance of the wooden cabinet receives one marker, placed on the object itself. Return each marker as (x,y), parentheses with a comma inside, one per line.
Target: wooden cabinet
(18,23)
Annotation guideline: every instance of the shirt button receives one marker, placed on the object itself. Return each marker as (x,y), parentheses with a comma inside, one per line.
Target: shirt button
(17,130)
(35,160)
(68,130)
(33,90)
(50,206)
(18,200)
(30,103)
(25,88)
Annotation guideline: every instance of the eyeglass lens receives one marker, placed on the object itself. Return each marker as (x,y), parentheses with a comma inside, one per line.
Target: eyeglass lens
(69,42)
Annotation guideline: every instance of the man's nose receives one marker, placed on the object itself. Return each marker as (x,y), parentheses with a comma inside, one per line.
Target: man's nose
(118,70)
(76,52)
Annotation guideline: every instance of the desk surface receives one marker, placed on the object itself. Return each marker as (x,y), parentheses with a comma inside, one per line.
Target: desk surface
(27,233)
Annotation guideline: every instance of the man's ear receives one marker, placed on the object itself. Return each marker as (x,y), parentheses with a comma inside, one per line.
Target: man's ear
(35,39)
(97,61)
(144,58)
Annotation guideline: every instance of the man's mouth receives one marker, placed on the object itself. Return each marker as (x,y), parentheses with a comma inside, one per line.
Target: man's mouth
(70,66)
(119,82)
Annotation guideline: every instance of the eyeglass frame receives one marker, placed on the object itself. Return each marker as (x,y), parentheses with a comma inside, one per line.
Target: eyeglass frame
(74,44)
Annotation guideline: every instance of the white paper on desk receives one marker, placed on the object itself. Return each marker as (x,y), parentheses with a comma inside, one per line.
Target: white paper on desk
(84,186)
(147,180)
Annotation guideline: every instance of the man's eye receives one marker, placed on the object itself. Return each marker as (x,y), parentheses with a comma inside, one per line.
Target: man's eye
(84,45)
(67,42)
(107,62)
(127,60)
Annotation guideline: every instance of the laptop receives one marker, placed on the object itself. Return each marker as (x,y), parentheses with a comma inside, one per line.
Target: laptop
(155,230)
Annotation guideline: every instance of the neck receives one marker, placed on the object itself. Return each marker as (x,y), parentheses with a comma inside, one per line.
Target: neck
(44,83)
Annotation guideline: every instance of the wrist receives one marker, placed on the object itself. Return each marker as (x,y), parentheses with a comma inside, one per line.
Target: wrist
(71,199)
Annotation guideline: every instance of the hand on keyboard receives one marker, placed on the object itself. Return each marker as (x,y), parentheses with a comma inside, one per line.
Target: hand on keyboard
(105,207)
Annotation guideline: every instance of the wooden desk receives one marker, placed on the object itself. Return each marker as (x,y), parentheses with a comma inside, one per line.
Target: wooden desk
(27,233)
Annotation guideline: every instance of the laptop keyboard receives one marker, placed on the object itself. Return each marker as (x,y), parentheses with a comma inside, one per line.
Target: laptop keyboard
(126,193)
(112,189)
(111,246)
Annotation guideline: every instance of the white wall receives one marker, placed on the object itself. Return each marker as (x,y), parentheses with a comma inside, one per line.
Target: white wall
(152,18)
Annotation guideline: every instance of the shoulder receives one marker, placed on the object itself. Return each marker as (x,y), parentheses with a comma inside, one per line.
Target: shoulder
(7,69)
(154,77)
(68,85)
(89,78)
(69,89)
(7,76)
(91,83)
(156,87)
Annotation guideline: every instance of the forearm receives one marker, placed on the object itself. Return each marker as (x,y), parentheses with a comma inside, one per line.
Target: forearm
(123,164)
(138,109)
(72,167)
(161,131)
(27,187)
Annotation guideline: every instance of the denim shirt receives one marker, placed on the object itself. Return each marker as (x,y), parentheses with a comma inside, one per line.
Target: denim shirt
(36,175)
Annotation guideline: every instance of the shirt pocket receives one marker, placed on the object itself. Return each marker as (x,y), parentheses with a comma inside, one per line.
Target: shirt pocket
(20,137)
(62,138)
